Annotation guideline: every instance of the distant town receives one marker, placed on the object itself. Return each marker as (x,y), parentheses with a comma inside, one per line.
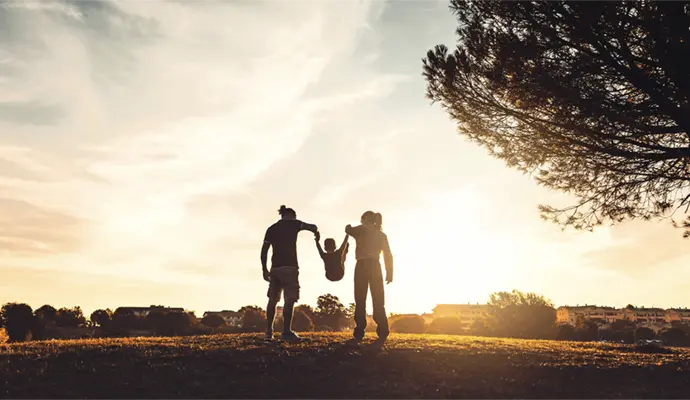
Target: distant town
(653,318)
(507,314)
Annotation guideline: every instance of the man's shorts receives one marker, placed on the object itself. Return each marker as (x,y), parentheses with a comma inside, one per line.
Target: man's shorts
(284,279)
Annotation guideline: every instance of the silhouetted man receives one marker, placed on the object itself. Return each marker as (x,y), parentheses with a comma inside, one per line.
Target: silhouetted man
(284,273)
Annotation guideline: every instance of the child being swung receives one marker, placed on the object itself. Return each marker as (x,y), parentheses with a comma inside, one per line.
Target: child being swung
(333,259)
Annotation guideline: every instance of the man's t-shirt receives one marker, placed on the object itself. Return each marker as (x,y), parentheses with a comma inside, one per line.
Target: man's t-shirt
(283,238)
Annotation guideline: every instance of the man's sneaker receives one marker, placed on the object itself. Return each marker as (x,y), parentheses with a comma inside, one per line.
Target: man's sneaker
(268,337)
(290,337)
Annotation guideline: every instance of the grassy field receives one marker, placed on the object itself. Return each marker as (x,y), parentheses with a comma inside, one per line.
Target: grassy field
(407,366)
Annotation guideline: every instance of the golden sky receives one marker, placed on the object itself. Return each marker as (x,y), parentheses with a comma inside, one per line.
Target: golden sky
(146,146)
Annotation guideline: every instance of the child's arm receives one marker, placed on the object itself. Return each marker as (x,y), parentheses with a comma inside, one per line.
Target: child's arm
(318,246)
(345,243)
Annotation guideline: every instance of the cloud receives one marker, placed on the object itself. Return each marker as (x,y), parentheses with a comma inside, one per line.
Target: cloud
(32,112)
(133,116)
(640,248)
(28,230)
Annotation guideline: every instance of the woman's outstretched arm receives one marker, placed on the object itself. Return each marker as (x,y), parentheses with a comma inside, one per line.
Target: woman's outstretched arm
(345,242)
(387,259)
(353,230)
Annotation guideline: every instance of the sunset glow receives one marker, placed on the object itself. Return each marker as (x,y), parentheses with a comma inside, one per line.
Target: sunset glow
(143,156)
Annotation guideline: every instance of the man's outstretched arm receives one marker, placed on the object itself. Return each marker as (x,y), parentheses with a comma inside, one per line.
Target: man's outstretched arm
(264,259)
(309,227)
(388,260)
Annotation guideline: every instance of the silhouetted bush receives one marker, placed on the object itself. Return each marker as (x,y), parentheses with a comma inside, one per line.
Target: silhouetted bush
(683,326)
(101,318)
(176,323)
(70,317)
(124,320)
(18,319)
(169,323)
(254,320)
(46,313)
(446,326)
(480,328)
(331,312)
(624,336)
(301,322)
(588,331)
(566,332)
(213,321)
(522,315)
(622,325)
(408,324)
(643,333)
(309,311)
(674,337)
(606,334)
(44,322)
(155,321)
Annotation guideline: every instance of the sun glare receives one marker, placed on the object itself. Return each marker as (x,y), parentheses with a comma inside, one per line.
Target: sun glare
(447,254)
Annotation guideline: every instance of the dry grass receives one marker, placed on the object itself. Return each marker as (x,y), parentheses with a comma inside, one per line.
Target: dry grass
(407,366)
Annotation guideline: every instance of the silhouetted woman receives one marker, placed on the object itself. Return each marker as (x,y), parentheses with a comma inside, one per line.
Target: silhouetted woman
(371,242)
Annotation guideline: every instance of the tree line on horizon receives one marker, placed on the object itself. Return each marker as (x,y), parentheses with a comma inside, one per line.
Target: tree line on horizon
(22,323)
(511,314)
(514,314)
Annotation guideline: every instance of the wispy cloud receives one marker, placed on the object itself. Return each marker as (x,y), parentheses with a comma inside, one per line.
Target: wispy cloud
(127,113)
(148,145)
(26,229)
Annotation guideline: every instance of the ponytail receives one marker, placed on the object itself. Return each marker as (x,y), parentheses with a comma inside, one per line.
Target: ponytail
(372,218)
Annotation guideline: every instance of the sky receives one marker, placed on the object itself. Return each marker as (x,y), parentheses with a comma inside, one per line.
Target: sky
(145,147)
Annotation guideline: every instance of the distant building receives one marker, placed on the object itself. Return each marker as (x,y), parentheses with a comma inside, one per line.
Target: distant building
(652,316)
(678,315)
(655,318)
(467,313)
(145,311)
(570,315)
(231,318)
